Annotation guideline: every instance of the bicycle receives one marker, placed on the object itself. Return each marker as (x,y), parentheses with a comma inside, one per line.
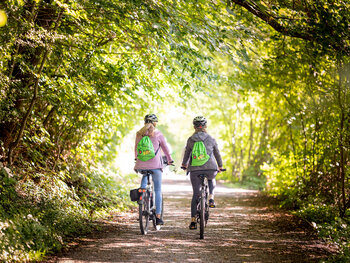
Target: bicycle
(202,213)
(147,210)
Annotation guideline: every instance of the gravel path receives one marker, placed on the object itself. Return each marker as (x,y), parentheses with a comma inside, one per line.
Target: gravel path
(243,228)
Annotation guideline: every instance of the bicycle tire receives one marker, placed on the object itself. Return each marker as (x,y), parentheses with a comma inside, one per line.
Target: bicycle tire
(206,207)
(144,213)
(202,214)
(154,220)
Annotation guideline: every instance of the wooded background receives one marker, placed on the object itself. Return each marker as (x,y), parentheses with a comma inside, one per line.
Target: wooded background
(76,77)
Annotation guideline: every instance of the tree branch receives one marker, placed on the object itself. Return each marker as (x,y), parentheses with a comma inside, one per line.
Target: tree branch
(272,21)
(15,143)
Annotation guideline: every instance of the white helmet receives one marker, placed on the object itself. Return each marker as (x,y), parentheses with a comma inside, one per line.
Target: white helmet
(199,122)
(149,118)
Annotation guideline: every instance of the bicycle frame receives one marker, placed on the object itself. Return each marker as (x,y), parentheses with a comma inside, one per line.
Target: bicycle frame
(147,210)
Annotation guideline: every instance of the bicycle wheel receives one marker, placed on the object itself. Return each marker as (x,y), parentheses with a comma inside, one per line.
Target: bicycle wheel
(144,213)
(206,207)
(202,214)
(153,213)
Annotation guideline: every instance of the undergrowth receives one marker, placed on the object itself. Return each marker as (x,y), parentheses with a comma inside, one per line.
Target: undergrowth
(41,212)
(330,227)
(324,218)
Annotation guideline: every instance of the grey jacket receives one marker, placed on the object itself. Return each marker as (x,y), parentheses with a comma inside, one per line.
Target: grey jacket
(212,150)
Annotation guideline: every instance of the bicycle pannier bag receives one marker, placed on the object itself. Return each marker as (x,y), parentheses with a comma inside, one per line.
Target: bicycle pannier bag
(199,154)
(135,194)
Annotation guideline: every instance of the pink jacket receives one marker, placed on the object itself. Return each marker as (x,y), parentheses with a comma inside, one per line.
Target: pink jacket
(158,140)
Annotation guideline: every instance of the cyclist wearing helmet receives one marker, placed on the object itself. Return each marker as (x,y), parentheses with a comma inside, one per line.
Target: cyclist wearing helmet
(209,168)
(155,164)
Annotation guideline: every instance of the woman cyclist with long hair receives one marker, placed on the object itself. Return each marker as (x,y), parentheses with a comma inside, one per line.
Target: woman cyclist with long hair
(155,164)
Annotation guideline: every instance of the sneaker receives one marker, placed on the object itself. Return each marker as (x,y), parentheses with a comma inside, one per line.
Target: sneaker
(159,221)
(212,203)
(193,225)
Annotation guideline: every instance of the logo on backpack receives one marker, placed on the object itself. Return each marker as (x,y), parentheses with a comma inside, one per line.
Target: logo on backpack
(199,154)
(145,149)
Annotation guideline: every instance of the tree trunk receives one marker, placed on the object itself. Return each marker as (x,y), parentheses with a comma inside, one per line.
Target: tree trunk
(15,143)
(341,145)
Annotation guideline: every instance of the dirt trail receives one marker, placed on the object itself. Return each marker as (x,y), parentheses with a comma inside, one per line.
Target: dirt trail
(243,228)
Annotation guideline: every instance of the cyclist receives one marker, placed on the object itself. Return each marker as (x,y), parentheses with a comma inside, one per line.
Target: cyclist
(210,168)
(155,164)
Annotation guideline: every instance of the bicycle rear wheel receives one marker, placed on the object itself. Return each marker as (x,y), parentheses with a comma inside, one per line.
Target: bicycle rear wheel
(202,214)
(144,213)
(206,207)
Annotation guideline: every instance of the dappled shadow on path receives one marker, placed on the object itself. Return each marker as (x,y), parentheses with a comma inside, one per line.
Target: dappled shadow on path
(243,228)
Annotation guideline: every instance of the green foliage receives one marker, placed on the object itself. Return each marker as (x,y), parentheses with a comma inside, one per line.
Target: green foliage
(281,175)
(7,193)
(253,179)
(330,227)
(40,214)
(318,213)
(272,77)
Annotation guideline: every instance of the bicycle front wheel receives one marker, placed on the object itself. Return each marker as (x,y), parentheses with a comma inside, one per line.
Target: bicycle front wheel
(144,211)
(202,214)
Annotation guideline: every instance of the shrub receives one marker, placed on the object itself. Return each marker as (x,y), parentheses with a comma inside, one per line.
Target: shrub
(38,214)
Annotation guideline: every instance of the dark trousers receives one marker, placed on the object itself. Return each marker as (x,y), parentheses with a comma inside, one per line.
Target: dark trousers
(196,184)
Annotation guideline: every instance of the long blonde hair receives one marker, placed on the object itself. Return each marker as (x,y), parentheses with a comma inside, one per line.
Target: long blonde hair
(148,129)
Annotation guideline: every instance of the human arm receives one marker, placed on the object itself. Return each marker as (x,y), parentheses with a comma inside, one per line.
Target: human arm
(217,155)
(164,146)
(186,157)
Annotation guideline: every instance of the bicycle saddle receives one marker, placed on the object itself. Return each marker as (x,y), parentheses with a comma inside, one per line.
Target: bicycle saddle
(144,172)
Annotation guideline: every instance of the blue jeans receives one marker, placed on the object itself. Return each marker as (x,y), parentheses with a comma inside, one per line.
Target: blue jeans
(157,183)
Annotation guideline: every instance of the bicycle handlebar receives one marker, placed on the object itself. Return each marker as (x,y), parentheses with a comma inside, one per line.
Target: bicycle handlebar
(220,170)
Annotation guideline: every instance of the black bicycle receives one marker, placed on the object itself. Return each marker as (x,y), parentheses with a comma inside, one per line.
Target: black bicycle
(202,213)
(147,209)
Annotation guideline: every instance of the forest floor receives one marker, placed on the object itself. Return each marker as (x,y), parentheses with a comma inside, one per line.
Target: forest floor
(245,227)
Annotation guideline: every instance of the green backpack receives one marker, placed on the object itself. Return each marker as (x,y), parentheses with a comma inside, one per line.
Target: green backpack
(199,154)
(145,149)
